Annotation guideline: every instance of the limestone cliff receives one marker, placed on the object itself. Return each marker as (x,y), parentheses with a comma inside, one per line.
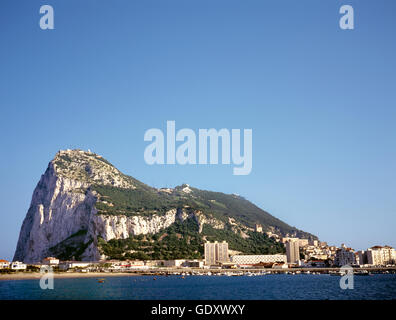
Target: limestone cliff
(63,204)
(82,198)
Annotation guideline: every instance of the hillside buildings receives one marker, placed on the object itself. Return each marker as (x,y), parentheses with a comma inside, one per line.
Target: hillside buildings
(344,256)
(292,251)
(216,253)
(301,242)
(316,254)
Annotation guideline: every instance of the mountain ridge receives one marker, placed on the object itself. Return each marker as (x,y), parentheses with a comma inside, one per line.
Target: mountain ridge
(82,193)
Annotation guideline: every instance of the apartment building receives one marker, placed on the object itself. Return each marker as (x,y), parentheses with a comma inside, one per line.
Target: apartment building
(381,256)
(344,256)
(292,251)
(216,252)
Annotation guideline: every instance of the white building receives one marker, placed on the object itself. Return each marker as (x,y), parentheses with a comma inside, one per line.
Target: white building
(344,256)
(17,265)
(381,256)
(256,259)
(4,264)
(73,264)
(51,261)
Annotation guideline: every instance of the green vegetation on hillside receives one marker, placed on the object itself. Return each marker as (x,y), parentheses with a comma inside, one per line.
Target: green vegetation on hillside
(71,248)
(132,201)
(256,243)
(183,241)
(145,200)
(180,240)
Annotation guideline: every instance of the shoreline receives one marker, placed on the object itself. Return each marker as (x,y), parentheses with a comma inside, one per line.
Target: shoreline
(188,271)
(64,275)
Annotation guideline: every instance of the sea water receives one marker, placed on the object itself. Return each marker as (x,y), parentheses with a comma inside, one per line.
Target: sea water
(265,287)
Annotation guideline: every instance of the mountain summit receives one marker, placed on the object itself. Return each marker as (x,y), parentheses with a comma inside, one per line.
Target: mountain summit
(83,208)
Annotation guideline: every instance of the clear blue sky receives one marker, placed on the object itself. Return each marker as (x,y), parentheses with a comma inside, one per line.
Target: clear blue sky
(320,101)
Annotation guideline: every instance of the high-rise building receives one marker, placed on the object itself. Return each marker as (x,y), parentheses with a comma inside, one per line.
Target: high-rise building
(216,252)
(380,256)
(222,252)
(210,253)
(362,257)
(292,251)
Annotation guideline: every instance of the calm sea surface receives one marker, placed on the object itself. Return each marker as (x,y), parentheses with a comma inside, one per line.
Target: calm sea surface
(282,286)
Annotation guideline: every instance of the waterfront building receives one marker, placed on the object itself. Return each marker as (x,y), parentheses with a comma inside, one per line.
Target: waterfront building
(66,265)
(17,265)
(381,256)
(51,261)
(316,263)
(344,256)
(193,263)
(128,265)
(280,266)
(246,260)
(216,252)
(4,264)
(362,257)
(292,251)
(174,263)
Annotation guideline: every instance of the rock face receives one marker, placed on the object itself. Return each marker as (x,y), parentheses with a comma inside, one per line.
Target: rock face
(62,205)
(68,215)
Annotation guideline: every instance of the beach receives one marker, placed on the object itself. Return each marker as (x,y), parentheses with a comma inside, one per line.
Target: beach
(60,275)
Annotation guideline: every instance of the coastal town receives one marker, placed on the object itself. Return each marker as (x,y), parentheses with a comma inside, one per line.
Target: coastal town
(302,256)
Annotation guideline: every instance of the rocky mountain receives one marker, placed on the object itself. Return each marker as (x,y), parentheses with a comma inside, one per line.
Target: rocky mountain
(83,208)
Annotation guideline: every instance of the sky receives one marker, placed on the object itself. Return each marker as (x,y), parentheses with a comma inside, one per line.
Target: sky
(320,102)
